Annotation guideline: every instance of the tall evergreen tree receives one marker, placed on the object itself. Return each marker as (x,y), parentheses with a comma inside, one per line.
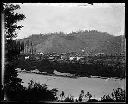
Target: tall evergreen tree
(22,46)
(11,82)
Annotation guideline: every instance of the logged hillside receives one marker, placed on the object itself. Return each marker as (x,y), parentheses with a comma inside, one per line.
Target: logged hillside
(92,42)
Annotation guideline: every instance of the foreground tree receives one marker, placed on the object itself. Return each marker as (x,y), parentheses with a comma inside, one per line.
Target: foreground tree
(11,82)
(13,90)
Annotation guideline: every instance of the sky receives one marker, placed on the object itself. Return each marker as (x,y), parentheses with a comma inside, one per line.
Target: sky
(67,17)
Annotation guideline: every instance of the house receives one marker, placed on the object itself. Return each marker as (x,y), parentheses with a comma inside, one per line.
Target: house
(26,57)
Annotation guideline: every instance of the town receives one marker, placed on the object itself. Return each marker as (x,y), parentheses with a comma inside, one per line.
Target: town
(73,64)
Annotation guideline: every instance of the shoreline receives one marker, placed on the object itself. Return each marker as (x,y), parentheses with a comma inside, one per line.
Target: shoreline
(72,86)
(74,77)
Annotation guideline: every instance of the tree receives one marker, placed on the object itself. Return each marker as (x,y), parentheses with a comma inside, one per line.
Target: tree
(88,95)
(22,46)
(81,95)
(11,82)
(39,92)
(10,20)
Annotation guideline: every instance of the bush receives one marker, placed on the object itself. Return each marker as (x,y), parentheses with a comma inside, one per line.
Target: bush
(118,95)
(34,92)
(38,92)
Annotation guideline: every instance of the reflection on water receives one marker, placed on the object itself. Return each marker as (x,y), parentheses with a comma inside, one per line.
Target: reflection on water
(96,86)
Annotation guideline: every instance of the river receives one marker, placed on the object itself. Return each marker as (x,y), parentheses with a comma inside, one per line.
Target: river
(96,86)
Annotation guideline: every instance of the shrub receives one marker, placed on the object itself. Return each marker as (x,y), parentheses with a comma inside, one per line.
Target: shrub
(118,95)
(38,92)
(34,92)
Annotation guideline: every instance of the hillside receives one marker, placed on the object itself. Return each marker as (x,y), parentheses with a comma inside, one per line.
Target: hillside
(92,42)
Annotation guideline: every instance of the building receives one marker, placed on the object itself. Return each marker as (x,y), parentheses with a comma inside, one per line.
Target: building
(27,57)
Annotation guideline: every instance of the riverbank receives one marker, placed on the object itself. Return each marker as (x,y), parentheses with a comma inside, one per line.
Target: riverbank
(72,86)
(75,76)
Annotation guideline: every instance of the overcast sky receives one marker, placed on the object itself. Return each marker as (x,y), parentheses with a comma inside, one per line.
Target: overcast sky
(55,17)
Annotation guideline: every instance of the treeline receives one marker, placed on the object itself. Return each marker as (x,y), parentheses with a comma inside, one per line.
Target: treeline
(32,41)
(77,32)
(13,48)
(94,69)
(79,69)
(29,47)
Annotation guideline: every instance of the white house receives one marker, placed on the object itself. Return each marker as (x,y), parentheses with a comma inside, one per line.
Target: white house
(26,57)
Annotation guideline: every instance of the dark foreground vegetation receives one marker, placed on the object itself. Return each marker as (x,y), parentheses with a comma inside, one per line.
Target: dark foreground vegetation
(34,92)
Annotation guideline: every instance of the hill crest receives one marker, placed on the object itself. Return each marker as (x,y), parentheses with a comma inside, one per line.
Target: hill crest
(92,42)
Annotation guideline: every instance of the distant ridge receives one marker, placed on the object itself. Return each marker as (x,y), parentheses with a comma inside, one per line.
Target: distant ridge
(92,42)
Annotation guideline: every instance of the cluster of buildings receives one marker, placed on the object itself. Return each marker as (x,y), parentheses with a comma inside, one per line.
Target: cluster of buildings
(73,57)
(54,56)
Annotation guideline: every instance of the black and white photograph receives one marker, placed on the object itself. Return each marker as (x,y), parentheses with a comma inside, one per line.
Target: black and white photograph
(63,52)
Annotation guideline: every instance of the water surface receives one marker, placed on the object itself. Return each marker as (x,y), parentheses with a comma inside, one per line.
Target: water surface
(96,86)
